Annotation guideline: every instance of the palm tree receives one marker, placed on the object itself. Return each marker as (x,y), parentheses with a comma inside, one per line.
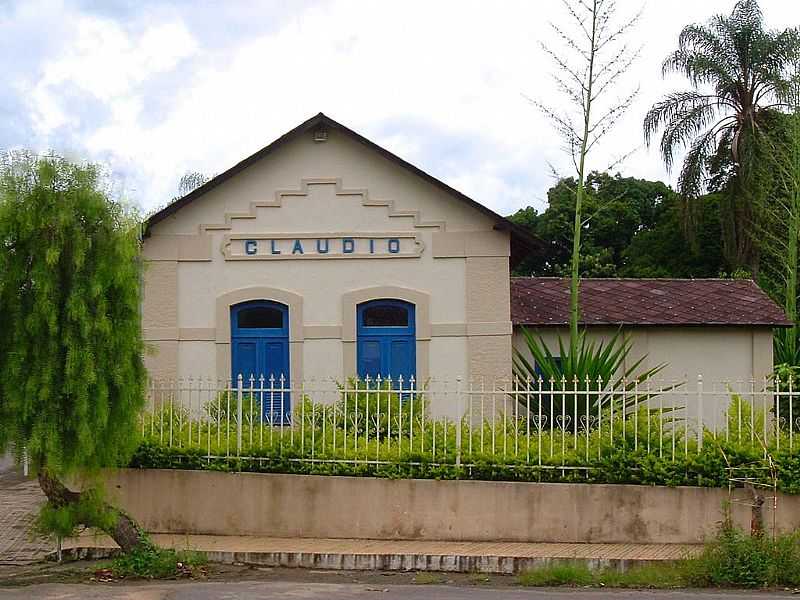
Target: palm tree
(738,72)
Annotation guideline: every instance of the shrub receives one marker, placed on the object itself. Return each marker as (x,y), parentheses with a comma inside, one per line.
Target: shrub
(735,559)
(731,559)
(150,562)
(372,409)
(64,521)
(646,448)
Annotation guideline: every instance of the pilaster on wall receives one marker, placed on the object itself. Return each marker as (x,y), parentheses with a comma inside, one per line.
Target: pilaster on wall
(762,353)
(160,315)
(488,318)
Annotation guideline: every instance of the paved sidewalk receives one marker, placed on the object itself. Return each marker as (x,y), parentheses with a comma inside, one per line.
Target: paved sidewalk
(20,499)
(490,557)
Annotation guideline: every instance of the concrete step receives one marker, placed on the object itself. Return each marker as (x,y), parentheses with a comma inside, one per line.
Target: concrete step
(395,555)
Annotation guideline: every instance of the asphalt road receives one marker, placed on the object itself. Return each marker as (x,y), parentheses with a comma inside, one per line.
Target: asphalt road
(269,590)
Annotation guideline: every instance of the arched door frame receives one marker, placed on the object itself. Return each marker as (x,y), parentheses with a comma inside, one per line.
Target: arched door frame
(223,325)
(384,338)
(257,334)
(421,302)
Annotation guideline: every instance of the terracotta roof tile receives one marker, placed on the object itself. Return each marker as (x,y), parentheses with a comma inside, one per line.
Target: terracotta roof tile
(545,301)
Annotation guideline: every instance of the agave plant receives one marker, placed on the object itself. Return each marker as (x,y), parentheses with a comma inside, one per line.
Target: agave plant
(579,385)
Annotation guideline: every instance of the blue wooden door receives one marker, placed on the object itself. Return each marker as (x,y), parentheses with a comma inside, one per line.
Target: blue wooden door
(260,348)
(386,340)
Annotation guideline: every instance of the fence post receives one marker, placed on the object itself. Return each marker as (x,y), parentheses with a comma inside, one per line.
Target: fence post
(700,426)
(459,420)
(239,399)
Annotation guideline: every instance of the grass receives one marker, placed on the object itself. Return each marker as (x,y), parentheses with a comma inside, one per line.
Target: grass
(425,578)
(566,573)
(670,575)
(479,578)
(158,563)
(733,559)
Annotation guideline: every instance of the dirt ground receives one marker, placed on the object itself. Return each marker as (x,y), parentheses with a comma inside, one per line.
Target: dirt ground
(84,572)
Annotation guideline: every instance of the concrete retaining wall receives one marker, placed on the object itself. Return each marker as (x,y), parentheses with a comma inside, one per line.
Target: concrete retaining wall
(207,502)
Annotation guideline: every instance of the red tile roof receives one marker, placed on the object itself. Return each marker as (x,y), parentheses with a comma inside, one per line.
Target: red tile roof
(545,301)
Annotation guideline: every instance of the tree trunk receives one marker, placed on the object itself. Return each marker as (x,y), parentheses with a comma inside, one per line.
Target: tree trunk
(757,512)
(125,531)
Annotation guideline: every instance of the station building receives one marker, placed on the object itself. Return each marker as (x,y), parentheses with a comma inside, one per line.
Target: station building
(324,256)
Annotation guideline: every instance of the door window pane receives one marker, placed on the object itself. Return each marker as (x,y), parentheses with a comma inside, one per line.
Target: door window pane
(385,316)
(260,317)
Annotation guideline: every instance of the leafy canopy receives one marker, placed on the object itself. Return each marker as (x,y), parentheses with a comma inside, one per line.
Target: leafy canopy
(738,72)
(72,379)
(742,70)
(635,230)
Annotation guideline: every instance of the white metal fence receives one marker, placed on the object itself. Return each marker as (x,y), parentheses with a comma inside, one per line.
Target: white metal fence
(465,424)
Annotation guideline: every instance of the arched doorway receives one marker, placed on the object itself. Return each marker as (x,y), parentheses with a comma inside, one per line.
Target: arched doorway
(386,345)
(260,348)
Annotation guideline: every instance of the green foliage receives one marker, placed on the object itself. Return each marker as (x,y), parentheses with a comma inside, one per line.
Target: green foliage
(668,248)
(744,422)
(732,559)
(593,368)
(560,573)
(746,68)
(571,573)
(735,559)
(786,352)
(655,576)
(426,578)
(636,229)
(64,521)
(368,409)
(72,380)
(646,448)
(785,380)
(150,562)
(225,407)
(190,181)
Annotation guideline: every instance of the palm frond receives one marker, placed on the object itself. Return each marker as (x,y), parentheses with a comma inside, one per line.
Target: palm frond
(682,115)
(693,175)
(748,69)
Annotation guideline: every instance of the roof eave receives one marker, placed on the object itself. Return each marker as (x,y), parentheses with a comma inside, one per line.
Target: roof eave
(519,236)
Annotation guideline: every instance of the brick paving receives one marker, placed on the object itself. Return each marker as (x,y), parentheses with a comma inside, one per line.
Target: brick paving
(20,499)
(263,545)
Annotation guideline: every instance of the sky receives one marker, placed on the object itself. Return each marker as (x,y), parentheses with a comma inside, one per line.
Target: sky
(154,89)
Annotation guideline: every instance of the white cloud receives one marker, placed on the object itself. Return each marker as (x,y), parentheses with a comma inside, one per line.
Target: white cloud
(457,68)
(106,62)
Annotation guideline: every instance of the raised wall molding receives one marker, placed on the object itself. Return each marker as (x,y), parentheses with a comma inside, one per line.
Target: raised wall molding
(305,183)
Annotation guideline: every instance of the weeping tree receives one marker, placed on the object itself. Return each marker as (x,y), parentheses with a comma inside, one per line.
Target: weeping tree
(72,380)
(190,181)
(737,70)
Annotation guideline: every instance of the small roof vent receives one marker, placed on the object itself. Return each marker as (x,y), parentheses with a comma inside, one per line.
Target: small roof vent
(321,134)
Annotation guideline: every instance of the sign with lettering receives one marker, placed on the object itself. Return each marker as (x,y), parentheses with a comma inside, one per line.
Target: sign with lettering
(321,246)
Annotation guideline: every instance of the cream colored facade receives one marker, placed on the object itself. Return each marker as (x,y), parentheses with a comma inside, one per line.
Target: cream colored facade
(451,262)
(410,237)
(725,359)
